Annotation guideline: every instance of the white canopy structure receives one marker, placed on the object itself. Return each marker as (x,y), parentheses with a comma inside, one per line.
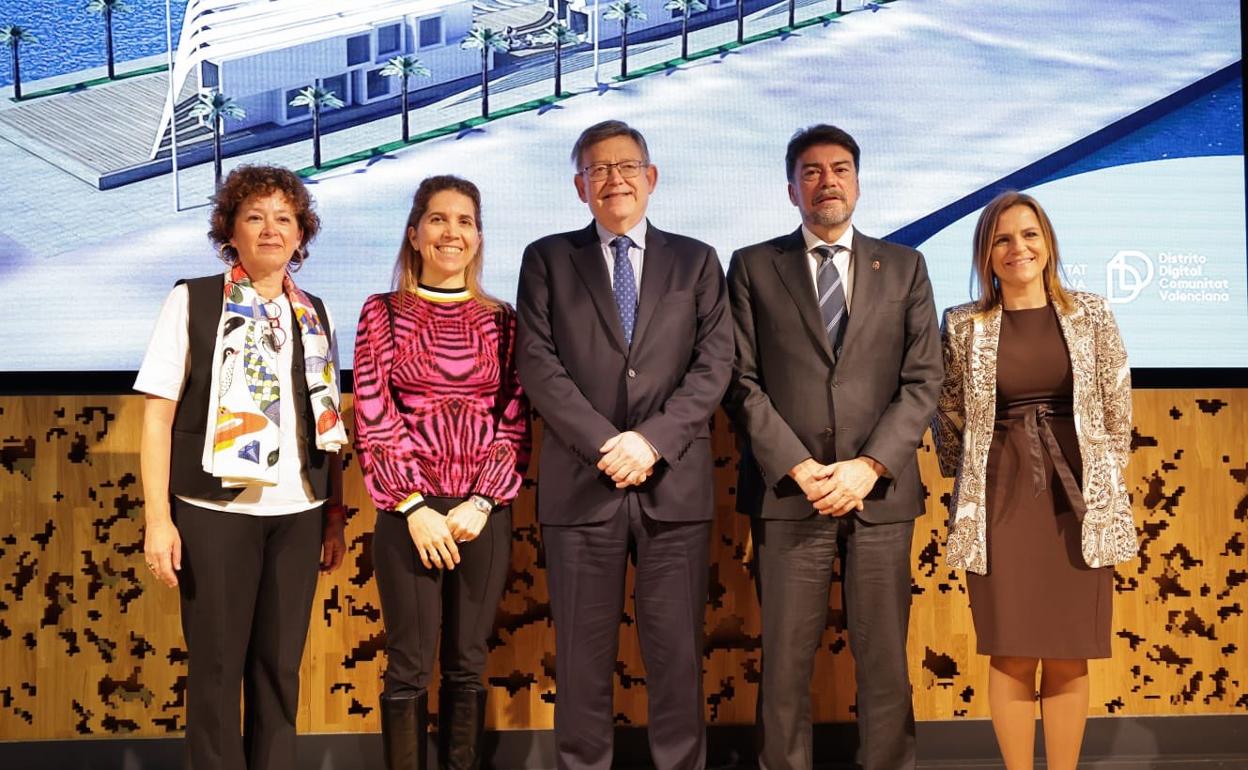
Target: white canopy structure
(218,30)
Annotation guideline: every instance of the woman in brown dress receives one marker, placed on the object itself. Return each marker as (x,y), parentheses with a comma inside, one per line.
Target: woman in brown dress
(1035,419)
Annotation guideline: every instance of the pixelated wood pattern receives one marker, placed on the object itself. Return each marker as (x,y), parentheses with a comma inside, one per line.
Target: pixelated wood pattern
(89,645)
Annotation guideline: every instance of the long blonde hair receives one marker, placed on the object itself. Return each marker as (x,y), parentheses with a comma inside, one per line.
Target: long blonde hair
(408,265)
(989,290)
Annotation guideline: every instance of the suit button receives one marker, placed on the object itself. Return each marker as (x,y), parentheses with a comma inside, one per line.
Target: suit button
(836,384)
(632,372)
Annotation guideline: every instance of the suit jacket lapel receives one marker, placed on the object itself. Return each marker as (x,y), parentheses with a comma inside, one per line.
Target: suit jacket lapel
(586,257)
(1073,326)
(791,263)
(655,272)
(867,283)
(982,361)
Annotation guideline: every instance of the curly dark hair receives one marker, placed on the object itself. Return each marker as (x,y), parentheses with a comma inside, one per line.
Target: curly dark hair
(247,181)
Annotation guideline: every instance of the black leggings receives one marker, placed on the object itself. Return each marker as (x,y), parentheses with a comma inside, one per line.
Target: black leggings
(417,602)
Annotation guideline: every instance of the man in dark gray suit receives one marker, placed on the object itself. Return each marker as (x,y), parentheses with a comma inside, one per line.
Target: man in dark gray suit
(625,348)
(837,371)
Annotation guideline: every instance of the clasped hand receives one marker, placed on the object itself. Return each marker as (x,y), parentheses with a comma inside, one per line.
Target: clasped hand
(436,537)
(837,488)
(628,459)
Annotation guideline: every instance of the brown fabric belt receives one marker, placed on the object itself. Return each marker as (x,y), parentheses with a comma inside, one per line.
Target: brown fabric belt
(1040,439)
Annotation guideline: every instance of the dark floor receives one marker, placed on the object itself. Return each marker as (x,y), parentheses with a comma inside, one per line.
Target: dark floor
(1218,742)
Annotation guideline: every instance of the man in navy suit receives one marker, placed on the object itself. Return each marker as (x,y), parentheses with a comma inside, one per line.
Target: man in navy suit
(837,370)
(625,348)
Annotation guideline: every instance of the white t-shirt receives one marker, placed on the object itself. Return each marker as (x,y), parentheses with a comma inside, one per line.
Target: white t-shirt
(163,374)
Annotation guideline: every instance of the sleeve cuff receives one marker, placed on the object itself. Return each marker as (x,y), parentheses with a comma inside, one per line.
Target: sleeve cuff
(880,468)
(657,454)
(410,503)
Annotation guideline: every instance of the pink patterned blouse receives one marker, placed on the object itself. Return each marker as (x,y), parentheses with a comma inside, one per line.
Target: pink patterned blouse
(438,408)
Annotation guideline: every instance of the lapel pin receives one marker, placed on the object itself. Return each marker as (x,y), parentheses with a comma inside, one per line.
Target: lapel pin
(875,264)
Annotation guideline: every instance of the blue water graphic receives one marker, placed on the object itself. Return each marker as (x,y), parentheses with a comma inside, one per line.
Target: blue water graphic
(70,38)
(1212,124)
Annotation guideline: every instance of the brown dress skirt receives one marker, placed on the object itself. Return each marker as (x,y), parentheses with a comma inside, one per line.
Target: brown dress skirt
(1039,598)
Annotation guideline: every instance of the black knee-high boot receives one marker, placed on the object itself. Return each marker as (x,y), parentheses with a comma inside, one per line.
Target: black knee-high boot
(461,723)
(405,731)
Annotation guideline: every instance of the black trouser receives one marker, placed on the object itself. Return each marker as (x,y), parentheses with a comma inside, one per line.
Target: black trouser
(794,573)
(585,567)
(417,603)
(247,584)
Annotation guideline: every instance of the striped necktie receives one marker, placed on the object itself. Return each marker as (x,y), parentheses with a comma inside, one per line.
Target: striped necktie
(831,292)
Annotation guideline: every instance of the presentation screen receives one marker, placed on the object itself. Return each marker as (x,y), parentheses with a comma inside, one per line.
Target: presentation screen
(1125,120)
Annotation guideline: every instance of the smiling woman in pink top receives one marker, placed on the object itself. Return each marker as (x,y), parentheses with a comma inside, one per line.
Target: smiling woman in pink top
(442,433)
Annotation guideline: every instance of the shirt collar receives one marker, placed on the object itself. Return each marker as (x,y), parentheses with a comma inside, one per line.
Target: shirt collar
(813,241)
(637,234)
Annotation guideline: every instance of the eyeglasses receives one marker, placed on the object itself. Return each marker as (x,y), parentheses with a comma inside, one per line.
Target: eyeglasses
(628,169)
(275,335)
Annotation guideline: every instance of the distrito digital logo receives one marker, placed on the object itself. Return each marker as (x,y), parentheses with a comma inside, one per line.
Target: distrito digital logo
(1127,273)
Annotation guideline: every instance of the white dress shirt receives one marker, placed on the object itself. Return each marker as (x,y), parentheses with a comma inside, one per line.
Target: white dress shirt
(841,261)
(636,252)
(166,366)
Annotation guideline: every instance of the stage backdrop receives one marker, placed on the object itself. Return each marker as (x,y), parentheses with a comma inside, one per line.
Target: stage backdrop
(91,646)
(1124,119)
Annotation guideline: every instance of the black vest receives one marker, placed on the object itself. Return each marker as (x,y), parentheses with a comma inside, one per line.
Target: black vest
(190,423)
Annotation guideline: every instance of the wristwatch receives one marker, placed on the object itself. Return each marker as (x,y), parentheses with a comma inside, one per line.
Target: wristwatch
(482,503)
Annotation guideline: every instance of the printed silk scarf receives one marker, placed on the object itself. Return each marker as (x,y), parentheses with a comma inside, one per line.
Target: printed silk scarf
(244,407)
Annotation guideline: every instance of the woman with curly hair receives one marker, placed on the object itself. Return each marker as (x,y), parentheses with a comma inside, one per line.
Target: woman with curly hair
(441,430)
(241,466)
(1034,418)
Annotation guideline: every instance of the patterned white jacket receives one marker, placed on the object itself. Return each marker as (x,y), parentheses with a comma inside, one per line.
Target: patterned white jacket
(1102,407)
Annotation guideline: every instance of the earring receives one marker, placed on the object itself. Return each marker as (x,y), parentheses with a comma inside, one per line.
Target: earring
(227,253)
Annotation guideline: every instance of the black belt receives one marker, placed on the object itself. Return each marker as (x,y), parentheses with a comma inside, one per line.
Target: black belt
(1040,438)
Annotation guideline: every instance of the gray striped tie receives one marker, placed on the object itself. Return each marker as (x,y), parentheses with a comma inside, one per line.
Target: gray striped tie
(831,293)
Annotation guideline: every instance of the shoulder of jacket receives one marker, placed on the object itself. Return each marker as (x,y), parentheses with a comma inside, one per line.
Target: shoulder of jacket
(1095,307)
(960,313)
(557,241)
(1089,300)
(889,248)
(685,244)
(764,249)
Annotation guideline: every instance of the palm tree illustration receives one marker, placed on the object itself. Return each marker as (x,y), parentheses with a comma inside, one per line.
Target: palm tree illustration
(215,107)
(107,8)
(792,13)
(685,7)
(317,99)
(14,36)
(740,22)
(485,39)
(624,11)
(404,68)
(559,35)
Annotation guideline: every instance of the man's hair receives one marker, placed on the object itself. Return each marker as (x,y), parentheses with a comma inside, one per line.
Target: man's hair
(601,132)
(815,135)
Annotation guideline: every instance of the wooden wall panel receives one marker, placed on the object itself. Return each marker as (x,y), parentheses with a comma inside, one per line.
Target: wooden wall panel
(89,645)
